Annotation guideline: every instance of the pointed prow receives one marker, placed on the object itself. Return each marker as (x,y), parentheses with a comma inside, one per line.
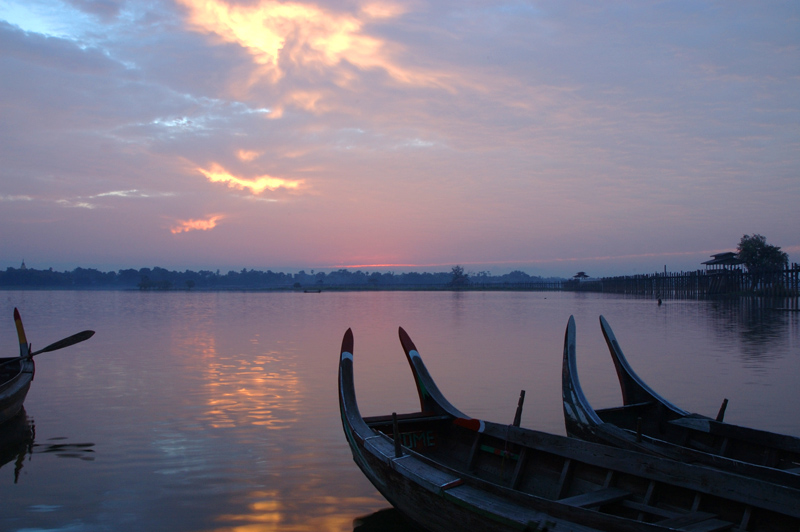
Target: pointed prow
(24,347)
(347,342)
(430,398)
(405,340)
(634,389)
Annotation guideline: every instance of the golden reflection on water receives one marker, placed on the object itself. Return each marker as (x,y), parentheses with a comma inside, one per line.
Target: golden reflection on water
(269,513)
(246,386)
(258,386)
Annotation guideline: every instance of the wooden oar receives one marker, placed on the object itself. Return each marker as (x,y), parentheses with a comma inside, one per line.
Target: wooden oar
(66,342)
(24,347)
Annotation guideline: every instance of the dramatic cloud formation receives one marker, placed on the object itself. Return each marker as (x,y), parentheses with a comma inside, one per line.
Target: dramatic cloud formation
(301,34)
(545,136)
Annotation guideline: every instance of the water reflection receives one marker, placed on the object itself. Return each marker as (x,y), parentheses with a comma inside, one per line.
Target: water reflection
(83,451)
(270,511)
(761,332)
(18,442)
(264,391)
(243,384)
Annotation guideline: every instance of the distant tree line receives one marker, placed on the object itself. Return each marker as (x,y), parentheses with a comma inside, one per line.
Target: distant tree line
(163,279)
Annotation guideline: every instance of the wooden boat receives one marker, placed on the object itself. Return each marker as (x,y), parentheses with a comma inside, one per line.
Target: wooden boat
(16,373)
(649,423)
(446,471)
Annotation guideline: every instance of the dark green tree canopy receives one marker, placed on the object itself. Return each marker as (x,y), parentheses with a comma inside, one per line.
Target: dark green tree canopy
(760,257)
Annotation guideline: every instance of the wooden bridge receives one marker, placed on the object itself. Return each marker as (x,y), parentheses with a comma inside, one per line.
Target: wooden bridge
(697,284)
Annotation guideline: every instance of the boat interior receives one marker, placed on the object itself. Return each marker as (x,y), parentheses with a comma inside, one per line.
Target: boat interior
(703,434)
(528,465)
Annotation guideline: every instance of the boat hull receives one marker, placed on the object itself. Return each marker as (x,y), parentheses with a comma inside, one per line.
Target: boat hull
(433,510)
(14,389)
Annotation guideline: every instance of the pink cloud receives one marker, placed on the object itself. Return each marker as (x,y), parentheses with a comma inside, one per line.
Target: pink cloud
(184,226)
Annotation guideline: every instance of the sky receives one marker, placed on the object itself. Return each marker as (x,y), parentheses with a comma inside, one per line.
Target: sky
(549,137)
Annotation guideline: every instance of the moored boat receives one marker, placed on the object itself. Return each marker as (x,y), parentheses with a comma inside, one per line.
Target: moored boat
(16,373)
(649,423)
(446,471)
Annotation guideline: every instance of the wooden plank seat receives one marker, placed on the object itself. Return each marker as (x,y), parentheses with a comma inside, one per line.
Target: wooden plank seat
(653,510)
(596,498)
(711,525)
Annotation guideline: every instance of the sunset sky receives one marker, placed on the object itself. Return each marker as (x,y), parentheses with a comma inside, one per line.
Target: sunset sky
(547,137)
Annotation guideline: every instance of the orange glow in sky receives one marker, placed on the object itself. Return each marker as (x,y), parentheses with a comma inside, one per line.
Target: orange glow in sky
(217,174)
(305,35)
(184,226)
(248,155)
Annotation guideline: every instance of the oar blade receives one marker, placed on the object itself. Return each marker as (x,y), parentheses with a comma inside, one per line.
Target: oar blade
(66,342)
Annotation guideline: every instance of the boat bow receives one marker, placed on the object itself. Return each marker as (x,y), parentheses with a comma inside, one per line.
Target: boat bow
(579,415)
(430,398)
(634,389)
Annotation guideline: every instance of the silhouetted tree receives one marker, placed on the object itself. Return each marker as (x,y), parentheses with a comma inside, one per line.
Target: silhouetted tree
(459,276)
(762,260)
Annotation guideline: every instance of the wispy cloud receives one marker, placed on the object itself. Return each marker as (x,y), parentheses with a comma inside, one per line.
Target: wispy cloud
(133,193)
(184,226)
(78,204)
(217,174)
(15,198)
(87,202)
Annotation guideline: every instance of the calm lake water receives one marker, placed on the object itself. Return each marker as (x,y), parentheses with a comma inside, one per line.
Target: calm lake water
(219,411)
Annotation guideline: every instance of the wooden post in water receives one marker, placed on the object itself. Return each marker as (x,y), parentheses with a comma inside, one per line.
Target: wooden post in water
(721,413)
(518,415)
